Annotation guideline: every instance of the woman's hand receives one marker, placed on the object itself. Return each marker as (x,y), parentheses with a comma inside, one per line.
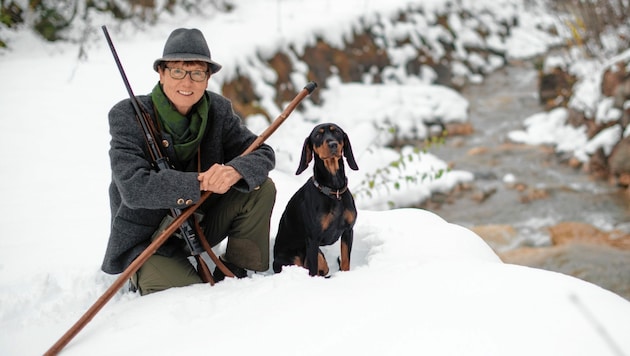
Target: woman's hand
(218,179)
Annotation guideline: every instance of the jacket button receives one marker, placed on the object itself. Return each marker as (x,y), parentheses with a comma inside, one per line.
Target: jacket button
(189,201)
(180,201)
(165,143)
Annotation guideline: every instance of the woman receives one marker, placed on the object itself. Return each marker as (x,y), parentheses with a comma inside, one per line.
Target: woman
(203,140)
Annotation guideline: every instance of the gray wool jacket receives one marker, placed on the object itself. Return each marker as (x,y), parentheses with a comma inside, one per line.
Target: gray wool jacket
(140,197)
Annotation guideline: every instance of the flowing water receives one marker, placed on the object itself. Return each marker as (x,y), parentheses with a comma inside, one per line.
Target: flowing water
(553,192)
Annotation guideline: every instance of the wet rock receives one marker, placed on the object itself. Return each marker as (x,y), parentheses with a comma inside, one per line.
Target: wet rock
(459,128)
(555,88)
(598,164)
(444,74)
(499,237)
(578,232)
(583,251)
(624,180)
(485,175)
(533,194)
(480,150)
(622,92)
(482,194)
(621,97)
(439,198)
(576,118)
(599,264)
(573,162)
(612,78)
(619,160)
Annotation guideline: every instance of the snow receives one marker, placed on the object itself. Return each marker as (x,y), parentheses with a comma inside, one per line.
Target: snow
(551,128)
(418,284)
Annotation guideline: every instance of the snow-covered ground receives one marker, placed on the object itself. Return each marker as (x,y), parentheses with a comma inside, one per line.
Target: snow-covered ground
(418,284)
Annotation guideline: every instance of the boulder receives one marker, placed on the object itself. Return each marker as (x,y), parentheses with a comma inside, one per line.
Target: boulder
(582,251)
(619,160)
(599,264)
(612,78)
(498,236)
(578,232)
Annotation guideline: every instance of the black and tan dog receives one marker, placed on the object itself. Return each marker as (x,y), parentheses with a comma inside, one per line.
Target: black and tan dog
(323,209)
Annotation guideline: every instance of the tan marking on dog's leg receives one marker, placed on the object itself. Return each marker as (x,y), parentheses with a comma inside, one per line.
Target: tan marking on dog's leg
(298,261)
(344,265)
(322,265)
(349,216)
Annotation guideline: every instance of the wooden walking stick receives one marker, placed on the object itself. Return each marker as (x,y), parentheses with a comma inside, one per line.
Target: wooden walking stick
(170,229)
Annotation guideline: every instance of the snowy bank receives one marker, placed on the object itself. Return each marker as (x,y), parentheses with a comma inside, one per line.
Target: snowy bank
(417,284)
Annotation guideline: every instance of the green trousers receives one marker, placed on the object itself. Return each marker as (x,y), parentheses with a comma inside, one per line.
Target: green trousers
(244,218)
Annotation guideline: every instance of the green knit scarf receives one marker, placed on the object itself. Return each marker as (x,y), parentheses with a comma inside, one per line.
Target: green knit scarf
(186,131)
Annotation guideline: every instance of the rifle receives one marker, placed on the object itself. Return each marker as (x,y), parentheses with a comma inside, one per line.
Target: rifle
(169,230)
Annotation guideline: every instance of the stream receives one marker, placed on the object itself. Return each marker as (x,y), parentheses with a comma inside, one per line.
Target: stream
(553,192)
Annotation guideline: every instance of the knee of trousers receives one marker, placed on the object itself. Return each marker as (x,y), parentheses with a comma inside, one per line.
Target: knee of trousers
(250,248)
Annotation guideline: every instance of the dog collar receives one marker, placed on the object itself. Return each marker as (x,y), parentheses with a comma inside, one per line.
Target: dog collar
(329,191)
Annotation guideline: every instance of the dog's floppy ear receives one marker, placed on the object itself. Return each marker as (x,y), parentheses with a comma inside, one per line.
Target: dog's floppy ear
(347,152)
(307,155)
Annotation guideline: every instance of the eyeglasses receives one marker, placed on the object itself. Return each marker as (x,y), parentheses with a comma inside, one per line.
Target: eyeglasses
(195,75)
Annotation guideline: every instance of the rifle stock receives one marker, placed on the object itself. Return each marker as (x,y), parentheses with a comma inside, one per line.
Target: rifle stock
(170,229)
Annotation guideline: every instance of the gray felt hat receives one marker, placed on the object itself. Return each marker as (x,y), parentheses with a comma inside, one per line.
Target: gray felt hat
(187,45)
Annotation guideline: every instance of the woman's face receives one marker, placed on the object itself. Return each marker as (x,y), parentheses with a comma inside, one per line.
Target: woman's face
(184,92)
